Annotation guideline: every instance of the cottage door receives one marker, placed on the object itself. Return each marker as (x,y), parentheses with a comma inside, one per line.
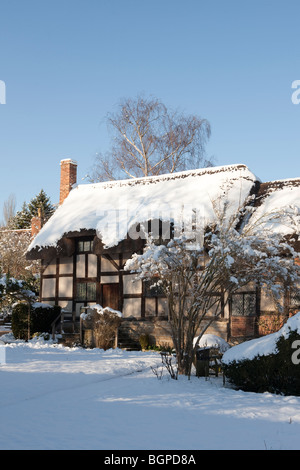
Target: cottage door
(110,296)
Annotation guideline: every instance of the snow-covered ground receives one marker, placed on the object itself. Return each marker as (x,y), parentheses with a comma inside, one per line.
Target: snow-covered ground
(52,397)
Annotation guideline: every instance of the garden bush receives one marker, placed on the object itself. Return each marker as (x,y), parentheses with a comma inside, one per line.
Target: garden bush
(105,324)
(41,318)
(275,372)
(144,341)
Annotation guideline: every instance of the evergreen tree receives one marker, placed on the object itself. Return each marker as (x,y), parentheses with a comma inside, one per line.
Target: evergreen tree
(22,219)
(41,201)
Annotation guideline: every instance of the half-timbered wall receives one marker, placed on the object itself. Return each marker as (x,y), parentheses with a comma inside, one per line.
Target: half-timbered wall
(86,279)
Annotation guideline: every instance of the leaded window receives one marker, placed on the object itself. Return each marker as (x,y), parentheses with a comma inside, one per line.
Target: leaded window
(295,299)
(85,246)
(243,304)
(86,291)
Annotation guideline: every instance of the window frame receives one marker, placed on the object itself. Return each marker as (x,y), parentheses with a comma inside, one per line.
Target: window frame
(86,297)
(244,306)
(81,248)
(153,292)
(294,300)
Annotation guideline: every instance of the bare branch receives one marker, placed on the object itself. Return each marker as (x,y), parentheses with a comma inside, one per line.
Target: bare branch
(149,139)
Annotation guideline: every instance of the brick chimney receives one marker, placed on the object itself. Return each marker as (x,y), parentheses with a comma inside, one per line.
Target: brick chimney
(37,223)
(68,177)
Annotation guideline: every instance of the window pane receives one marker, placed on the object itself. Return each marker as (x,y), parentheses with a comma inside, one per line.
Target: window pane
(87,246)
(215,305)
(80,247)
(249,304)
(86,291)
(237,304)
(154,291)
(295,299)
(84,246)
(81,291)
(243,304)
(91,291)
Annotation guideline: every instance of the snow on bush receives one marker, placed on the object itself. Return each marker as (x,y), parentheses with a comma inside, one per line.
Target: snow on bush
(90,310)
(104,323)
(261,346)
(212,341)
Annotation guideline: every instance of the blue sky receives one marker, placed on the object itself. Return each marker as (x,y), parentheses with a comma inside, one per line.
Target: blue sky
(67,63)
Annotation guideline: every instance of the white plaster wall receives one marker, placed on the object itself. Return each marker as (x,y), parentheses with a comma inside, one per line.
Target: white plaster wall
(130,286)
(51,268)
(92,265)
(267,303)
(48,289)
(65,287)
(66,265)
(109,279)
(80,266)
(106,265)
(250,287)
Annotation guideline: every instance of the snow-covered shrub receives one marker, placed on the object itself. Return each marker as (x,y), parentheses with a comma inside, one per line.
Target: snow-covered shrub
(41,318)
(104,323)
(212,341)
(41,336)
(267,364)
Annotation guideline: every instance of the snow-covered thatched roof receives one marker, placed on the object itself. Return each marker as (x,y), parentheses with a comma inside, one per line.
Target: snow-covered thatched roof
(277,206)
(112,208)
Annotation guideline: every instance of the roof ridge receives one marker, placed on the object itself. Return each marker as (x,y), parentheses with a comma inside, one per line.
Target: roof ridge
(167,176)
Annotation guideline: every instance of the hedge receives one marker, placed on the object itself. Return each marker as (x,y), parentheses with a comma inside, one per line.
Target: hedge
(41,318)
(274,373)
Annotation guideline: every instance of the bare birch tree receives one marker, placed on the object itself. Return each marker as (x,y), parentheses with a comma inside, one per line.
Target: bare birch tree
(9,208)
(149,139)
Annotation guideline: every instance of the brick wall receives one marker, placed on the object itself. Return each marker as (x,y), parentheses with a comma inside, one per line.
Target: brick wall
(242,326)
(159,331)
